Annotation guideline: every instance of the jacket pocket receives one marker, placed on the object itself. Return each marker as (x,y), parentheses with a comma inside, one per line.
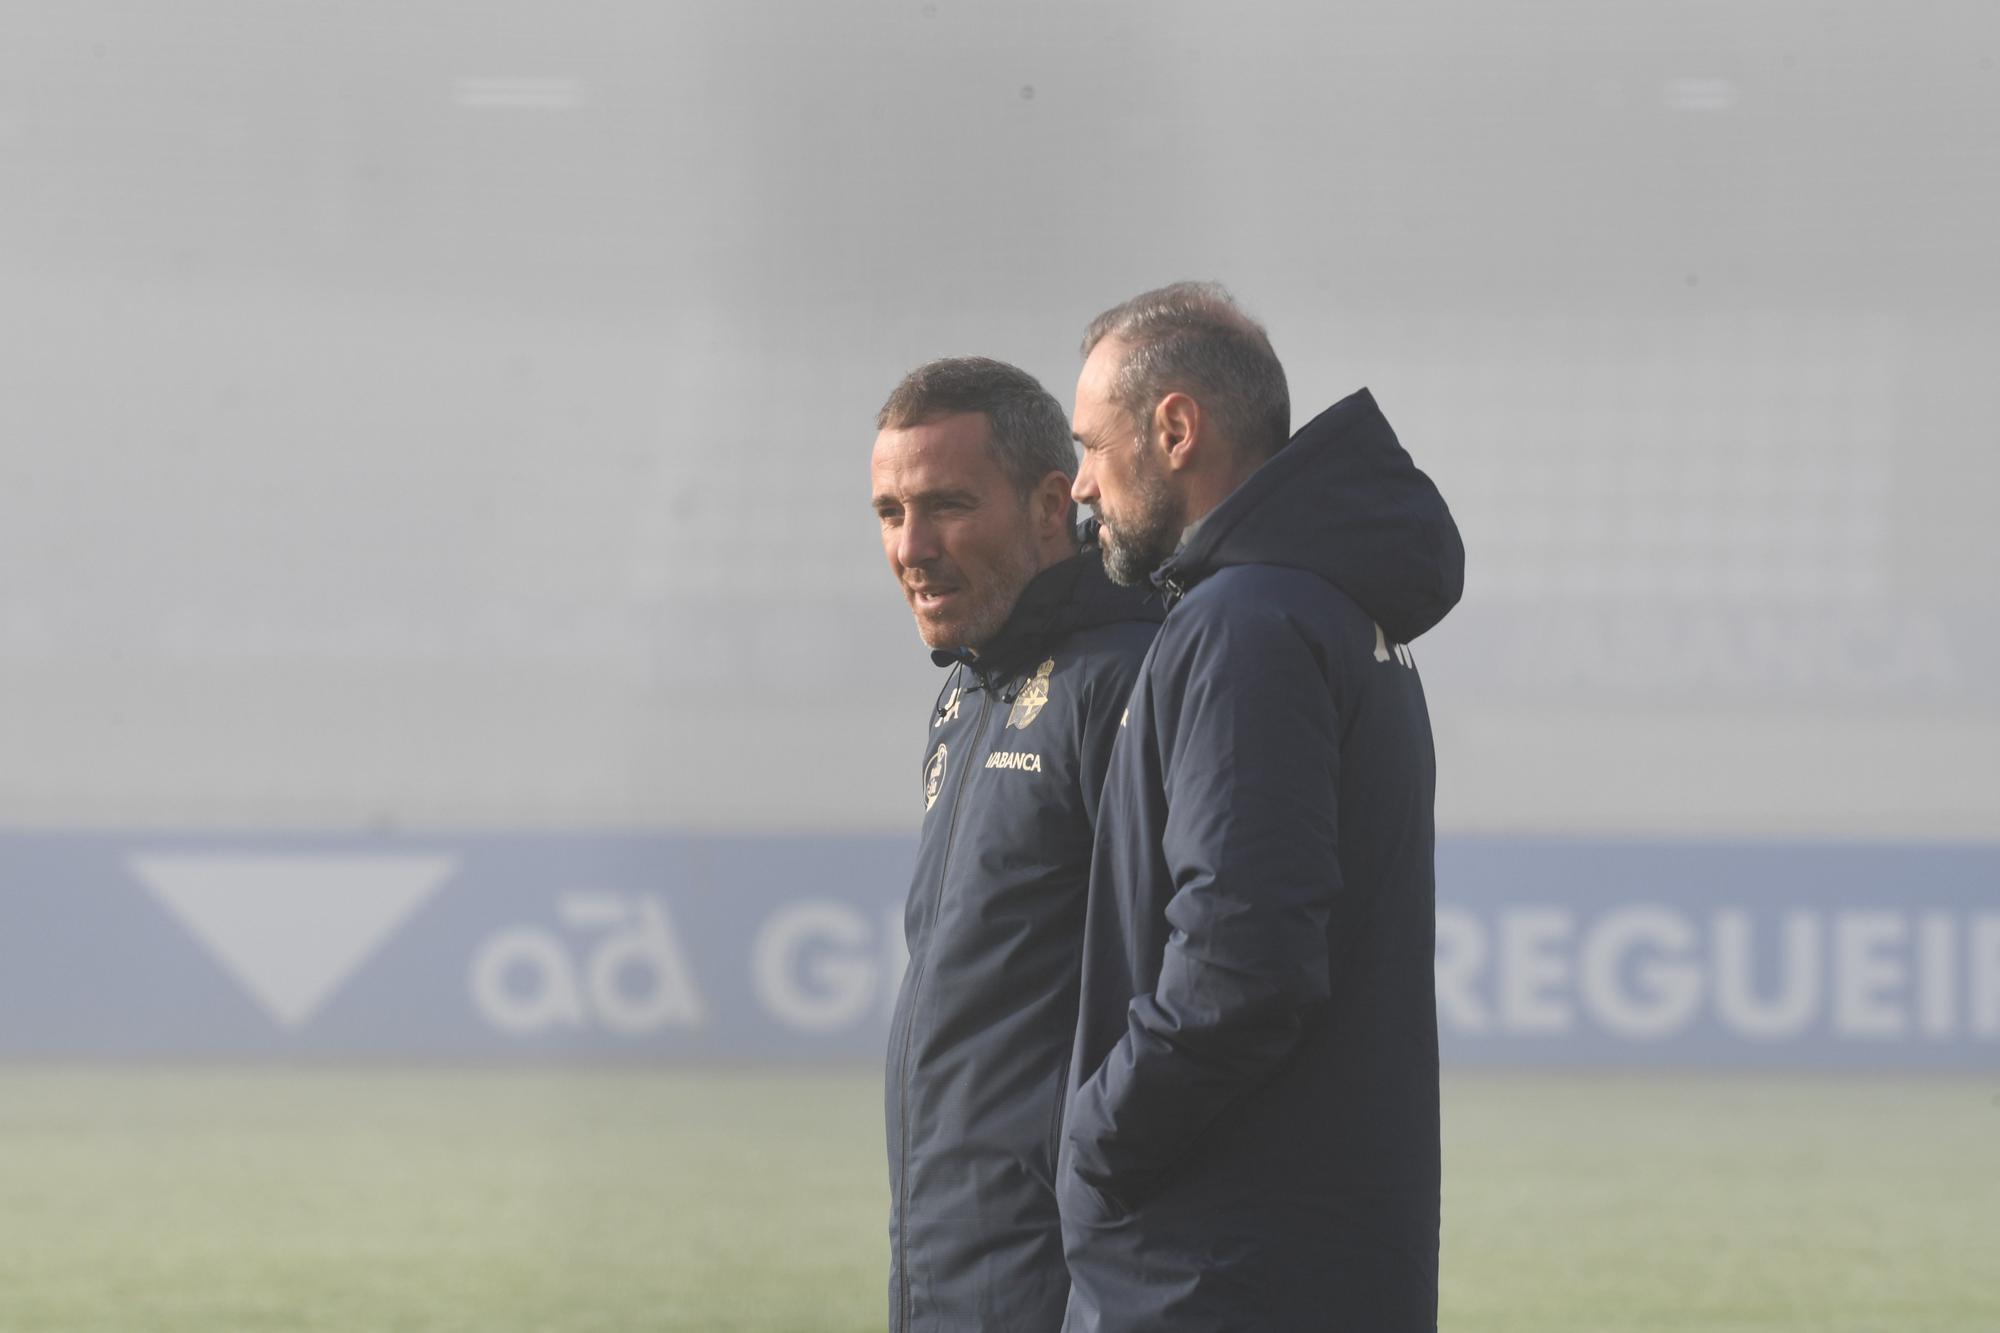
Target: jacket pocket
(1084,1205)
(1052,1146)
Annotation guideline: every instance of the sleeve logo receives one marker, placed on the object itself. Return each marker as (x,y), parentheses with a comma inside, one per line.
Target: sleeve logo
(1392,652)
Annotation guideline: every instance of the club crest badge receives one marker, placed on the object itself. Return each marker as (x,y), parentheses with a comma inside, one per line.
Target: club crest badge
(934,777)
(1033,698)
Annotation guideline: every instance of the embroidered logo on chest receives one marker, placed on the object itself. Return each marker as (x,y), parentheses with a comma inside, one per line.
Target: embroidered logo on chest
(934,776)
(1033,698)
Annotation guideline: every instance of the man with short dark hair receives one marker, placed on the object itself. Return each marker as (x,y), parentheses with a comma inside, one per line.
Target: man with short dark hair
(1251,1137)
(971,475)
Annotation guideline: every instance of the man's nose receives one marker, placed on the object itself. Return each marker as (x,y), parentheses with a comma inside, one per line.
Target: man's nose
(1084,489)
(916,542)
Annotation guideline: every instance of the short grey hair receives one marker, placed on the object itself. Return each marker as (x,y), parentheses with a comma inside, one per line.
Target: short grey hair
(1192,338)
(1030,436)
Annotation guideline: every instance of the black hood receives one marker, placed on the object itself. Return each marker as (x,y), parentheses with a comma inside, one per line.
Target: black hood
(1343,501)
(1069,595)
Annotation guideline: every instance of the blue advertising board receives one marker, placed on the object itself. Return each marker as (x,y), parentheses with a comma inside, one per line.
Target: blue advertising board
(689,947)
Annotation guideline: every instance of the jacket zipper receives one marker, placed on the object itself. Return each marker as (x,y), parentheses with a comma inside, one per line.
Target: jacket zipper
(910,1021)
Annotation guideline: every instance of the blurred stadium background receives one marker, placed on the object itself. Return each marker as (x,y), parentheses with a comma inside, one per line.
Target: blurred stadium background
(458,744)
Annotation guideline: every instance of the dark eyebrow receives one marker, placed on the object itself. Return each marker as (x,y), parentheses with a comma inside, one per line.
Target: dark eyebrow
(929,498)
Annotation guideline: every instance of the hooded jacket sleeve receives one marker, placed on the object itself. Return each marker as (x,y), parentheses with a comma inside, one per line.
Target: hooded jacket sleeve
(1110,687)
(1250,739)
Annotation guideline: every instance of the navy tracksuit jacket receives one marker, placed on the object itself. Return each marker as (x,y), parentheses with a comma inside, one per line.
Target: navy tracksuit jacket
(1251,1136)
(984,1022)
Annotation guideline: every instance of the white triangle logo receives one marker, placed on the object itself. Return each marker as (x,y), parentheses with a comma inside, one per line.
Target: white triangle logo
(292,929)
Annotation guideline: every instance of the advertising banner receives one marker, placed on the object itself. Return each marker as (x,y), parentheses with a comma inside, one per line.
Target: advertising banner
(788,949)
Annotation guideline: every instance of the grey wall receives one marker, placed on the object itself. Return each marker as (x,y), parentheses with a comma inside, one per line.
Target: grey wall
(432,415)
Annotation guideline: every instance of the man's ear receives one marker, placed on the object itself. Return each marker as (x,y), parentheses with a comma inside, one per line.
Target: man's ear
(1177,426)
(1050,508)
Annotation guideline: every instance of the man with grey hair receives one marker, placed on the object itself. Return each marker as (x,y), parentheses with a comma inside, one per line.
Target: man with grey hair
(1251,1136)
(971,474)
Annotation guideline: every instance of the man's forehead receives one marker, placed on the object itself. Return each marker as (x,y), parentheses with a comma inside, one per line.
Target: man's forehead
(948,452)
(1103,362)
(1093,382)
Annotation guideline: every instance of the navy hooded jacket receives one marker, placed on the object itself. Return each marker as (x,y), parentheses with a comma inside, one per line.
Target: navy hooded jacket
(980,1041)
(1251,1140)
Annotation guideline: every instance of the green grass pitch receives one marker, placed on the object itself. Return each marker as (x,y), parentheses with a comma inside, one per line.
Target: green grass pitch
(169,1200)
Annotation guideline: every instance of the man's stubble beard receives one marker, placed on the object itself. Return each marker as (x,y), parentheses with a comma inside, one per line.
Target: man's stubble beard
(1136,546)
(983,623)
